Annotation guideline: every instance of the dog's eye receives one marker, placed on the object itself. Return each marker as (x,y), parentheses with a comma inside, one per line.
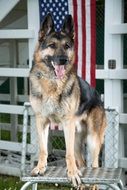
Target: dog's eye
(53,45)
(67,46)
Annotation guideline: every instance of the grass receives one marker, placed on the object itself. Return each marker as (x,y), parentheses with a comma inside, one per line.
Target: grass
(10,183)
(14,183)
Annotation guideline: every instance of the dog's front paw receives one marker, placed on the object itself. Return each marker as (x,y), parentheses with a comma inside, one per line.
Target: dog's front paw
(38,171)
(74,177)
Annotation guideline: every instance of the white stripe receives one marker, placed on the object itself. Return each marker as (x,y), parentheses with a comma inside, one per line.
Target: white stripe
(70,7)
(88,41)
(79,15)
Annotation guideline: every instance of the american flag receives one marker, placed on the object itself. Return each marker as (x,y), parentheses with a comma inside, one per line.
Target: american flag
(83,12)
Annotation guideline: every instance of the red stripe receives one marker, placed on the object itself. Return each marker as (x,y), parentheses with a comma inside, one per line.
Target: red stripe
(93,41)
(83,13)
(76,30)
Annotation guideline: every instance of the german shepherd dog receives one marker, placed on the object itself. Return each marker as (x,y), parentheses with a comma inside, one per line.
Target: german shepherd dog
(59,96)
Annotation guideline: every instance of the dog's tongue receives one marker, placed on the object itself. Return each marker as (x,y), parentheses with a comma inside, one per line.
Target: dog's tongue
(59,70)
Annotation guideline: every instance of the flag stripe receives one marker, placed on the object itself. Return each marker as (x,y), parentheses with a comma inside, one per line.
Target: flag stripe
(88,40)
(80,62)
(93,42)
(76,30)
(83,38)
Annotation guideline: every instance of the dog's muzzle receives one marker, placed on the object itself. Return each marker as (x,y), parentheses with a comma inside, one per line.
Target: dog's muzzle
(59,63)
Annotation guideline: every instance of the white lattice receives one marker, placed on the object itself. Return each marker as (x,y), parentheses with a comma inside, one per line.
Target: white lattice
(112,139)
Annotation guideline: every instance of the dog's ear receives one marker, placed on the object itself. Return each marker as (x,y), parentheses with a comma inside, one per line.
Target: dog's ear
(47,26)
(68,26)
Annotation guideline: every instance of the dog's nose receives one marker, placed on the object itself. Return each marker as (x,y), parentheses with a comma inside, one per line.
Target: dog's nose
(61,60)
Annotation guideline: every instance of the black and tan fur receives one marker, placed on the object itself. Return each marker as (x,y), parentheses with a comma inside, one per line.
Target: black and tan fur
(59,96)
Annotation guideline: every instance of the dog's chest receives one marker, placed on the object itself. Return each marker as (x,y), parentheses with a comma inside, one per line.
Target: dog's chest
(52,108)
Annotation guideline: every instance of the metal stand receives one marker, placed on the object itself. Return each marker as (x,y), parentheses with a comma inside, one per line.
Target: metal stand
(108,177)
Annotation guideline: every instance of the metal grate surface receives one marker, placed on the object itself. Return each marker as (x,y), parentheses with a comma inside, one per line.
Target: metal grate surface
(89,175)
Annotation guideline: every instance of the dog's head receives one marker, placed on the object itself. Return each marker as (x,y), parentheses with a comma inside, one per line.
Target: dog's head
(56,49)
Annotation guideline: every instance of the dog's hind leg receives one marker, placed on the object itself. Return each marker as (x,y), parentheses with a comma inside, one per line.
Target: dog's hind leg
(42,129)
(94,148)
(96,125)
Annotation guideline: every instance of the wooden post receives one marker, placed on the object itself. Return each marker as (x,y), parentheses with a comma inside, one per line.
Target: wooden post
(113,89)
(13,89)
(33,23)
(113,51)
